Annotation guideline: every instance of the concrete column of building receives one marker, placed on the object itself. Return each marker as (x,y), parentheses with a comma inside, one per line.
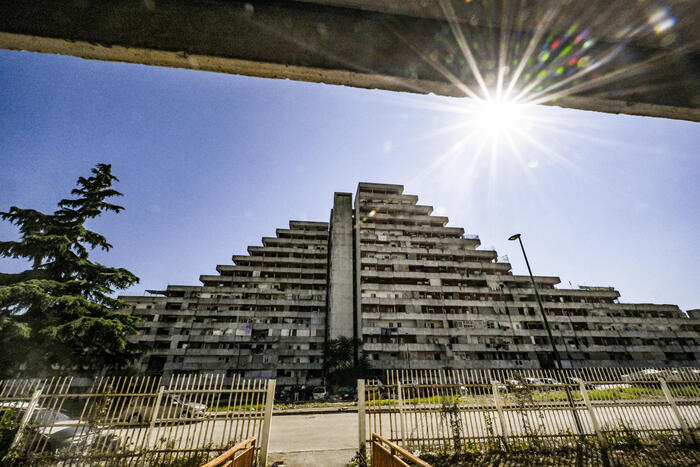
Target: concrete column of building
(358,270)
(340,271)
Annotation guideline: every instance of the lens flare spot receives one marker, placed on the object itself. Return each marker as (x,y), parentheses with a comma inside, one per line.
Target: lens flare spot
(664,25)
(581,36)
(658,15)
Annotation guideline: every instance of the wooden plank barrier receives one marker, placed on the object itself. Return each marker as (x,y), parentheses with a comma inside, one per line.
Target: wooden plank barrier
(387,454)
(241,455)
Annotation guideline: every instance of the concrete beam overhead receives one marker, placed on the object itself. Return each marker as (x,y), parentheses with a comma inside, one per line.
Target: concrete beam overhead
(385,44)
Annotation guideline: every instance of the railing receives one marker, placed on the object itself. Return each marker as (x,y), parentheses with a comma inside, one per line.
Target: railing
(432,410)
(387,454)
(135,420)
(241,455)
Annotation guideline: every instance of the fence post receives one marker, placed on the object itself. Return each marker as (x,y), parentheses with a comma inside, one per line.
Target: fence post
(499,408)
(156,408)
(594,420)
(27,415)
(361,414)
(674,408)
(269,403)
(154,417)
(403,427)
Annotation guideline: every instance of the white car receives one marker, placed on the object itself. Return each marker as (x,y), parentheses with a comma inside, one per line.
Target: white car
(56,430)
(170,407)
(319,393)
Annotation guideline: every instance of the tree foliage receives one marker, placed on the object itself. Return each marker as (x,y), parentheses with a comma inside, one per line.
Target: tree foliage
(340,366)
(60,313)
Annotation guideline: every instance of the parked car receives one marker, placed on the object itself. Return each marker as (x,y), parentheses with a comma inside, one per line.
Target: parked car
(549,384)
(476,387)
(647,374)
(83,437)
(319,393)
(57,430)
(346,393)
(577,381)
(372,388)
(542,384)
(500,386)
(668,374)
(170,406)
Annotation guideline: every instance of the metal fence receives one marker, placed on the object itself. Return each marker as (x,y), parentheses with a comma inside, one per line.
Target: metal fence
(429,410)
(135,420)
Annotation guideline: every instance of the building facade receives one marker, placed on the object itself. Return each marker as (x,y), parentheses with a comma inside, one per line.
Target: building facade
(416,293)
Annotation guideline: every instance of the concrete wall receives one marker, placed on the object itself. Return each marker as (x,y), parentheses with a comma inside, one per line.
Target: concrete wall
(340,291)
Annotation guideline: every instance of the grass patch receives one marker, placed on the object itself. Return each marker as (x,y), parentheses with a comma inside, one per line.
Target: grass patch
(626,449)
(282,406)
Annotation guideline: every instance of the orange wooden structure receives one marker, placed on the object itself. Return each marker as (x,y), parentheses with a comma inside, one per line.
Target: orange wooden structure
(387,454)
(241,455)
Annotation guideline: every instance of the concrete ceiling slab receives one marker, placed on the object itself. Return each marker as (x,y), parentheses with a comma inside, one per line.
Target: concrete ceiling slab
(641,58)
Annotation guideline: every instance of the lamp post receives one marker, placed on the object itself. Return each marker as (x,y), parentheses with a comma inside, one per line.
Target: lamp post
(557,358)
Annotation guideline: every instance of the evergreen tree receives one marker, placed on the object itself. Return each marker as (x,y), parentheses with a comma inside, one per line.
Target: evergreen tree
(340,367)
(60,313)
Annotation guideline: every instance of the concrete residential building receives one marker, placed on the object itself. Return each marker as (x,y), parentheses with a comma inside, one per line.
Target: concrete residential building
(417,293)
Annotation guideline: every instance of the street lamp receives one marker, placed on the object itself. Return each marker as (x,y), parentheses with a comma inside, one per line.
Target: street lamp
(557,358)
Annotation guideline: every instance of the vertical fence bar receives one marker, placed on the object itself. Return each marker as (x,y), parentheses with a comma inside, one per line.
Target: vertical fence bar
(269,402)
(674,408)
(594,420)
(499,408)
(361,414)
(27,415)
(401,412)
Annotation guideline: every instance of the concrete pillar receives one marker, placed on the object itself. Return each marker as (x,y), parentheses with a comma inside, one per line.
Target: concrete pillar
(358,270)
(340,271)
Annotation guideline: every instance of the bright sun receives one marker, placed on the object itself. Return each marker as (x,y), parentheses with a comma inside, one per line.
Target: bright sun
(498,115)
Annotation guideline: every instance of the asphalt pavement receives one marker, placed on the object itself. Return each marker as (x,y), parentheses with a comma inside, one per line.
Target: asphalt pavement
(328,439)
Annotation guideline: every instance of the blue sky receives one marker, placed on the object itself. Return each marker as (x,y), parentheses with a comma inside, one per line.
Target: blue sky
(210,163)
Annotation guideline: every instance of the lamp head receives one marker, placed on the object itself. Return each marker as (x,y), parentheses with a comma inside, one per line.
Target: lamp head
(514,237)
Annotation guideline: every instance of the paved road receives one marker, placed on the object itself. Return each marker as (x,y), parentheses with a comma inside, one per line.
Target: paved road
(328,439)
(323,439)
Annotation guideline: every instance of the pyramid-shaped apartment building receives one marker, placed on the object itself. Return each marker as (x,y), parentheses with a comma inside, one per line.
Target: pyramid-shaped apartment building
(416,293)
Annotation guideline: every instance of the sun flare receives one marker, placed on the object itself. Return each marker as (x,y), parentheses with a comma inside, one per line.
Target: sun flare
(499,115)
